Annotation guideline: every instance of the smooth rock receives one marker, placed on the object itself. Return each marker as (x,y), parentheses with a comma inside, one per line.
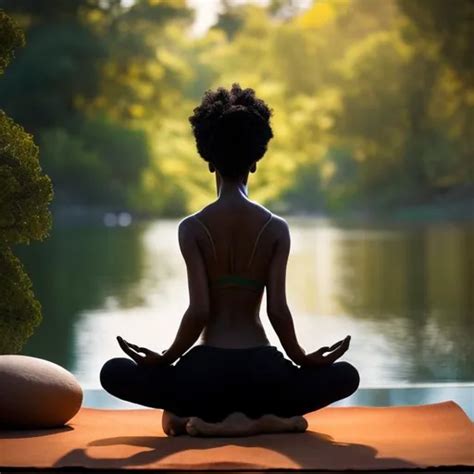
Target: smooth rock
(36,393)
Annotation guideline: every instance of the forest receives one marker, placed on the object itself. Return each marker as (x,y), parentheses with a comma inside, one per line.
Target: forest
(372,100)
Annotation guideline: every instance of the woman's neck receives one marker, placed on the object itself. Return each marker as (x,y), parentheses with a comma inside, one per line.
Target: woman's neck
(231,189)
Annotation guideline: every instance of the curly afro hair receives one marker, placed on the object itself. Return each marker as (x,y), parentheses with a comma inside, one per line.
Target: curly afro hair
(232,129)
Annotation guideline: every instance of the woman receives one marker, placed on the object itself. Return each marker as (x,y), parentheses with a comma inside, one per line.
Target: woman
(233,382)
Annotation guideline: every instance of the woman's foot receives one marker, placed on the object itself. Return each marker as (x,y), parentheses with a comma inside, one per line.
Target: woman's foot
(238,424)
(172,424)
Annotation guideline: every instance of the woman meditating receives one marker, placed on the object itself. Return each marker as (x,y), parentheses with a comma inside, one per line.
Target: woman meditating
(233,382)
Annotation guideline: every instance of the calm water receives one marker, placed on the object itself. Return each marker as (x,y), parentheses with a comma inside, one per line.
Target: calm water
(404,293)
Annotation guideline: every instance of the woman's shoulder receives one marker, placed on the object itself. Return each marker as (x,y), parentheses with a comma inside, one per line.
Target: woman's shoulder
(276,221)
(275,217)
(187,225)
(280,227)
(276,225)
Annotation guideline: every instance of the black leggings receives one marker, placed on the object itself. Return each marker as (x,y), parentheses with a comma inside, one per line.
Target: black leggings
(212,382)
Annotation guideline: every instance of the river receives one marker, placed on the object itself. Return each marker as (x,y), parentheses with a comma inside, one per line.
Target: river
(404,293)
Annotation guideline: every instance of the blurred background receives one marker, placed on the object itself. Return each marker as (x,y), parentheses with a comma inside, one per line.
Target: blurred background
(371,164)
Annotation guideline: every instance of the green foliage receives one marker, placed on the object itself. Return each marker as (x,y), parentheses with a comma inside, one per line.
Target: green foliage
(449,28)
(11,37)
(20,312)
(306,193)
(59,67)
(98,162)
(25,193)
(230,20)
(81,174)
(90,78)
(372,99)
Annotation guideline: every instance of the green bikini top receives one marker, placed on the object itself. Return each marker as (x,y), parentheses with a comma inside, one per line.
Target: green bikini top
(234,279)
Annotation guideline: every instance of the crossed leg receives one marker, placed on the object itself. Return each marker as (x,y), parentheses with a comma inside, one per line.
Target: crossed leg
(311,389)
(314,389)
(124,379)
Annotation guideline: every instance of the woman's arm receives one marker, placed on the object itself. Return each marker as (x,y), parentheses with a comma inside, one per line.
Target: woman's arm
(197,314)
(277,307)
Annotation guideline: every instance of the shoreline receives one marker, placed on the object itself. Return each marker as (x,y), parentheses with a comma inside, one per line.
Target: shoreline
(457,211)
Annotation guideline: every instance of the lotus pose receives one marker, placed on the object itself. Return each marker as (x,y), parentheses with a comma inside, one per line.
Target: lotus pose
(221,376)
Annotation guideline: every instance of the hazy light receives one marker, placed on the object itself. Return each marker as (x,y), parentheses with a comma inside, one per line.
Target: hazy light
(124,219)
(110,219)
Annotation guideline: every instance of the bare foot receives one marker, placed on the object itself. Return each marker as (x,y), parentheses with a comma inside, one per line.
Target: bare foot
(238,424)
(172,424)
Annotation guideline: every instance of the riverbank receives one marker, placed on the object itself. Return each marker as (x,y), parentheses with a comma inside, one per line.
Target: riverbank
(447,208)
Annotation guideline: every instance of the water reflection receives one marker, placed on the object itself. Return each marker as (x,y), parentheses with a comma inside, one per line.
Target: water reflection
(75,271)
(404,293)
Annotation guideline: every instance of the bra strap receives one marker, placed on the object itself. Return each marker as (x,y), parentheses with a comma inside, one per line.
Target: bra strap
(208,234)
(258,238)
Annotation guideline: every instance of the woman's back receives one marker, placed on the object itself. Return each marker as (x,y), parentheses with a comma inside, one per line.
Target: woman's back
(236,243)
(233,249)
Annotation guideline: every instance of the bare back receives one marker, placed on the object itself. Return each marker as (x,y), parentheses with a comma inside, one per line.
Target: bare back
(236,242)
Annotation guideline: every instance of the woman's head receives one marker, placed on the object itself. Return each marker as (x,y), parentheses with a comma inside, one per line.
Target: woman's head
(232,129)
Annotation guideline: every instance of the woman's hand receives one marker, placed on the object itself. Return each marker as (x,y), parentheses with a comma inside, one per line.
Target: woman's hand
(150,359)
(317,358)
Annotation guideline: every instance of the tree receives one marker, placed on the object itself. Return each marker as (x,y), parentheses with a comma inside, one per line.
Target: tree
(449,27)
(25,193)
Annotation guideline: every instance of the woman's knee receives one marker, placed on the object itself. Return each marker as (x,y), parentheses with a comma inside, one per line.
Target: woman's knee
(112,372)
(349,378)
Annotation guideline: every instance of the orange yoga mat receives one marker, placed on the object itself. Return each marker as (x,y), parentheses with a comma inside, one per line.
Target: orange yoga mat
(338,438)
